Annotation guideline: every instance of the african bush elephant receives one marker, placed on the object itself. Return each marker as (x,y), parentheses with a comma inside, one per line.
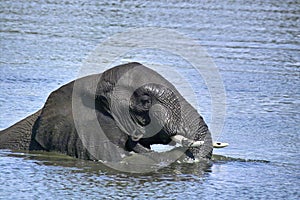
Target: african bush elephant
(106,116)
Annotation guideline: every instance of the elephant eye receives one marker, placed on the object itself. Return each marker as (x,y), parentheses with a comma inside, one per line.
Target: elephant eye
(145,100)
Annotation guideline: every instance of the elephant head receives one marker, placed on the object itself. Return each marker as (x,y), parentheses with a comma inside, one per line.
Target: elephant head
(150,110)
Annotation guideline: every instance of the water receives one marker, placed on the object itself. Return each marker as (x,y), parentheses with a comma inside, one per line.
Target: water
(256,48)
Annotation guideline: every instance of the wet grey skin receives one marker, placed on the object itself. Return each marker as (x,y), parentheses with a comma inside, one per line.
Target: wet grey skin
(156,101)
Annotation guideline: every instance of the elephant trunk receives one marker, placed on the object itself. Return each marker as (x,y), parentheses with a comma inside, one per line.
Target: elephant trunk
(166,109)
(182,122)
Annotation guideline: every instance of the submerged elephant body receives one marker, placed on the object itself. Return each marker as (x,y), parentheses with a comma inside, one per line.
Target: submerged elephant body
(128,102)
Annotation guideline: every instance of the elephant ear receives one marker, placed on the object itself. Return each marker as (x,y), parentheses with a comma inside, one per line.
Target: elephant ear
(69,124)
(55,130)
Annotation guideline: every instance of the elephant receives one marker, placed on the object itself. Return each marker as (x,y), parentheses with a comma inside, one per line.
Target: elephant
(112,115)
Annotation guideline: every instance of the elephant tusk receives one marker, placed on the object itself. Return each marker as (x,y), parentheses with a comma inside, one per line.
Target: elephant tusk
(185,142)
(220,144)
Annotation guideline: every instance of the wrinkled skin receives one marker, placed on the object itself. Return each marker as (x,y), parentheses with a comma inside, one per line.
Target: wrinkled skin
(156,102)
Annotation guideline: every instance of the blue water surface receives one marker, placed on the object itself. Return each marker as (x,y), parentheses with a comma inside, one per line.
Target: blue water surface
(254,44)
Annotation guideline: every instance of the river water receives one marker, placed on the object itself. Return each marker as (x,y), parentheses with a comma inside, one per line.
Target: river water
(254,44)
